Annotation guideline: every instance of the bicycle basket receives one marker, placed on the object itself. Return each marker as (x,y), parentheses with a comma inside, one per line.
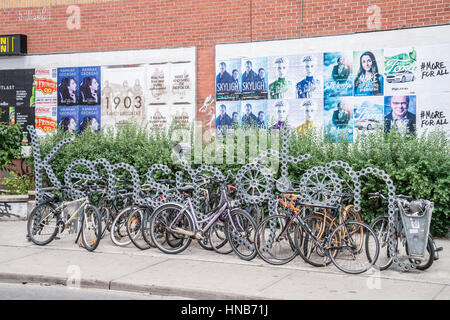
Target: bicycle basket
(416,218)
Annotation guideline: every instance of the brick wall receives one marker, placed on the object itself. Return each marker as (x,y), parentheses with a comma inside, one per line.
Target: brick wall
(139,24)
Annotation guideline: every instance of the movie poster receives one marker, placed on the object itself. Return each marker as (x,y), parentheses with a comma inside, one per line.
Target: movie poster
(158,83)
(227,116)
(400,112)
(368,114)
(338,74)
(123,97)
(254,79)
(90,92)
(282,71)
(338,119)
(278,111)
(228,80)
(253,114)
(68,86)
(433,113)
(308,76)
(433,72)
(89,118)
(46,101)
(306,114)
(182,83)
(368,73)
(67,117)
(400,66)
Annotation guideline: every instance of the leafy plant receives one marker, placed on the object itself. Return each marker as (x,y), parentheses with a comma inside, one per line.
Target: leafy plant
(16,184)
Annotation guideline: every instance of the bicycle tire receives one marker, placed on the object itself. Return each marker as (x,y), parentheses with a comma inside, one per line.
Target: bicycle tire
(426,263)
(35,224)
(380,226)
(351,246)
(240,229)
(269,246)
(321,226)
(91,228)
(118,233)
(105,215)
(218,238)
(159,223)
(135,228)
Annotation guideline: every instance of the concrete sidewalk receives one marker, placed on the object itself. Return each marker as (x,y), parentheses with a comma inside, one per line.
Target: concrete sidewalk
(200,274)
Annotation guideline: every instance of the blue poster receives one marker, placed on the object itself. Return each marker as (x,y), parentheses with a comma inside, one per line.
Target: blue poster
(254,79)
(338,124)
(400,112)
(68,88)
(228,80)
(337,74)
(89,93)
(368,113)
(67,118)
(89,118)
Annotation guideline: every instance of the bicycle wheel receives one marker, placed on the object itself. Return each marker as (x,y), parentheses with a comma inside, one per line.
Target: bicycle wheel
(240,229)
(105,216)
(352,256)
(218,238)
(274,239)
(169,240)
(380,226)
(91,227)
(256,212)
(312,252)
(135,227)
(118,234)
(428,260)
(42,224)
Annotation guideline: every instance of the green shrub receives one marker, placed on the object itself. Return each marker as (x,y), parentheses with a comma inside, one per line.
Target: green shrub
(10,143)
(16,184)
(418,166)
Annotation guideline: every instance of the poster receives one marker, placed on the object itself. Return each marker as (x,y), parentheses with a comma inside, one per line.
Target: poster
(89,118)
(254,79)
(123,96)
(433,72)
(368,73)
(158,83)
(281,73)
(182,116)
(182,83)
(337,74)
(46,101)
(400,66)
(278,111)
(400,112)
(307,114)
(368,114)
(253,114)
(89,92)
(158,117)
(227,116)
(309,76)
(433,113)
(338,115)
(68,86)
(67,117)
(228,80)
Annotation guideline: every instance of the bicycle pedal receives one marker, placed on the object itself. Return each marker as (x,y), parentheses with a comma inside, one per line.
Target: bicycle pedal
(439,249)
(57,238)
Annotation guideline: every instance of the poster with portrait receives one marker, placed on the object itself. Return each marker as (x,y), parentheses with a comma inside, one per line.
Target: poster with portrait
(400,67)
(368,73)
(278,113)
(158,83)
(89,118)
(338,74)
(46,101)
(368,114)
(254,77)
(68,86)
(90,91)
(308,76)
(123,95)
(283,71)
(182,116)
(306,114)
(253,114)
(227,116)
(338,118)
(182,77)
(158,117)
(228,79)
(433,72)
(67,117)
(433,113)
(400,112)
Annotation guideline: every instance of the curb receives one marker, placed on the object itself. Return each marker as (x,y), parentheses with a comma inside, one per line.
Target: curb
(197,294)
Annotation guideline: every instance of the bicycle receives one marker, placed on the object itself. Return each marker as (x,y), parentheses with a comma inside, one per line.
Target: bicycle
(49,219)
(381,226)
(173,226)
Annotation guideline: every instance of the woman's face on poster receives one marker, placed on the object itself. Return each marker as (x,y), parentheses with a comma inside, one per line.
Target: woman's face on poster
(72,86)
(366,63)
(94,85)
(72,126)
(94,125)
